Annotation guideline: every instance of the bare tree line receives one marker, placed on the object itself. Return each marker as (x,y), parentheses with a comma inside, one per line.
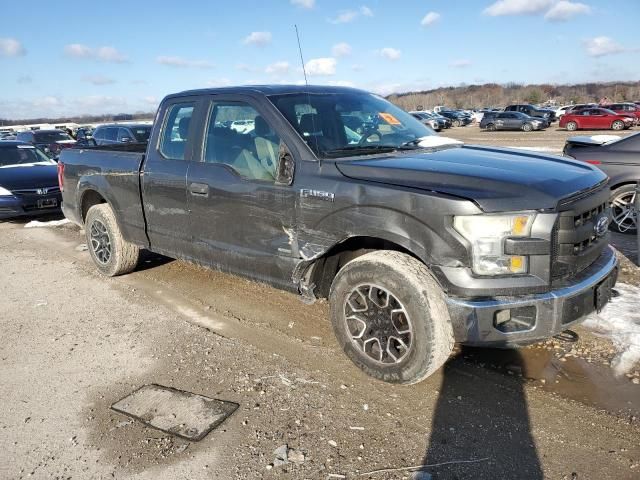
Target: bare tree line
(495,95)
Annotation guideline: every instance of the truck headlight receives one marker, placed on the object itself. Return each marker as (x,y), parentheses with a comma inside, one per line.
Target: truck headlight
(5,193)
(487,233)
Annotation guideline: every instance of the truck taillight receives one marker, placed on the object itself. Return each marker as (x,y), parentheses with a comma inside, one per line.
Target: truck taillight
(61,176)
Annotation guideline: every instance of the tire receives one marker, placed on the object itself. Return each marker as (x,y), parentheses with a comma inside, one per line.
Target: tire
(491,127)
(617,125)
(413,299)
(111,253)
(624,216)
(572,126)
(457,123)
(527,127)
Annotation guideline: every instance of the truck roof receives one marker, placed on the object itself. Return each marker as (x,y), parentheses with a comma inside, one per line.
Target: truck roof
(267,90)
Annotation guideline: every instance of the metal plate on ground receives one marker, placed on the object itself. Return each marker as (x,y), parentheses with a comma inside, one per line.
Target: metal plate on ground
(183,414)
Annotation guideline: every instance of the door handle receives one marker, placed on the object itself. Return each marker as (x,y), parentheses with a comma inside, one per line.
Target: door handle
(199,189)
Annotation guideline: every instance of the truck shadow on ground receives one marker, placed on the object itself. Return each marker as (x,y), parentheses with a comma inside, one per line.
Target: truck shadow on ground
(480,432)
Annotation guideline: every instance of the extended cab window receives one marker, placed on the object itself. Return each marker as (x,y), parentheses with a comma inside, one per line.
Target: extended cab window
(239,137)
(176,131)
(111,134)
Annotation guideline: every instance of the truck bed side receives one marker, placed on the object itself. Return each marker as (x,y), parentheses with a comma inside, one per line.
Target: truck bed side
(112,174)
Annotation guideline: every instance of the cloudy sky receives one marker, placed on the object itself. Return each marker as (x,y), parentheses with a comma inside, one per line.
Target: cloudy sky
(117,56)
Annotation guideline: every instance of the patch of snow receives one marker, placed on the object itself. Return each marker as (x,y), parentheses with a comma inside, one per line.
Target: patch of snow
(52,223)
(620,322)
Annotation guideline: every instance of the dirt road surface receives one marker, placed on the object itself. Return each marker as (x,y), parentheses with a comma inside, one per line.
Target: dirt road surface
(75,342)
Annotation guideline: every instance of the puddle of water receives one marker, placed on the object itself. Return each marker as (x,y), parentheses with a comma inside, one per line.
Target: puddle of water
(573,378)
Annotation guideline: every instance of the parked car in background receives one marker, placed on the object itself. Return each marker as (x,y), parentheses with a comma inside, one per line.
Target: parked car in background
(457,119)
(532,111)
(447,121)
(429,120)
(110,134)
(594,119)
(28,181)
(562,110)
(415,246)
(511,121)
(619,158)
(624,108)
(51,142)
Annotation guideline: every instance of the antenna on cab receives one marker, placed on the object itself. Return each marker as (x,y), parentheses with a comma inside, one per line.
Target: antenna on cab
(306,82)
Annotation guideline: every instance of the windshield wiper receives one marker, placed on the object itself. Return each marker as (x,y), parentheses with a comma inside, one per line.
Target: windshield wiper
(369,149)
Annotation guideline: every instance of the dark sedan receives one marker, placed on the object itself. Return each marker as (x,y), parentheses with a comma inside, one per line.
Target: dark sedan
(458,119)
(28,181)
(620,159)
(511,121)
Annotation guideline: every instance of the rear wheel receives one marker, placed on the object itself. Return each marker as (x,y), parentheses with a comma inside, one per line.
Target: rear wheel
(491,127)
(457,123)
(617,125)
(623,212)
(111,253)
(527,127)
(390,317)
(572,126)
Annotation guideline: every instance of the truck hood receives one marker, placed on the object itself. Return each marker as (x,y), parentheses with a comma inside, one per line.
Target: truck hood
(496,179)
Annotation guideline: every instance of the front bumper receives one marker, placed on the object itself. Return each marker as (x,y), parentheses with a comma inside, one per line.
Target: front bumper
(478,322)
(12,207)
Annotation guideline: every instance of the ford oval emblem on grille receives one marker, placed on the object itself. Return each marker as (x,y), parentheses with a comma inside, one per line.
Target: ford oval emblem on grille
(42,191)
(601,226)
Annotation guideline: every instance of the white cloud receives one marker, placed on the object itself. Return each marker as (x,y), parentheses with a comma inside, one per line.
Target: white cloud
(460,63)
(430,18)
(565,10)
(151,100)
(366,11)
(278,68)
(321,66)
(10,47)
(517,7)
(601,46)
(259,39)
(304,3)
(47,102)
(110,54)
(348,16)
(390,53)
(77,50)
(183,62)
(104,54)
(341,49)
(340,83)
(98,80)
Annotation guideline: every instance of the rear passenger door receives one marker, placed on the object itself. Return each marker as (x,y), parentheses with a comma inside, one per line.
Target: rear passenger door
(164,177)
(240,218)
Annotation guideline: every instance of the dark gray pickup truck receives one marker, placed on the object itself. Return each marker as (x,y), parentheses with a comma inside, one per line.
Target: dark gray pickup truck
(415,243)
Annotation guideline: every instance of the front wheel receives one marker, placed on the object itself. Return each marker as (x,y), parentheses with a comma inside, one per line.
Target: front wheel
(572,126)
(111,253)
(617,125)
(457,123)
(527,127)
(491,127)
(623,212)
(390,317)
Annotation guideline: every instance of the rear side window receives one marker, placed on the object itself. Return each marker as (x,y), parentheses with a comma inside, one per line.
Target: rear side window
(176,131)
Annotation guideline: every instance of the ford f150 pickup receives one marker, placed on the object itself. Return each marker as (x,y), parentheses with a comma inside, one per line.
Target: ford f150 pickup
(415,243)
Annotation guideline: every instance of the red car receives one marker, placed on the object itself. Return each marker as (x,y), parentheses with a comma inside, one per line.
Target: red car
(596,118)
(627,108)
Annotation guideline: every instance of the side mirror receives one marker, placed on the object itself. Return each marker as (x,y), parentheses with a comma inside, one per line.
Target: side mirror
(286,165)
(125,139)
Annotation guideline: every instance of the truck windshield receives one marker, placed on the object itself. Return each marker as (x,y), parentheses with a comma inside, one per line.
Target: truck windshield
(352,123)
